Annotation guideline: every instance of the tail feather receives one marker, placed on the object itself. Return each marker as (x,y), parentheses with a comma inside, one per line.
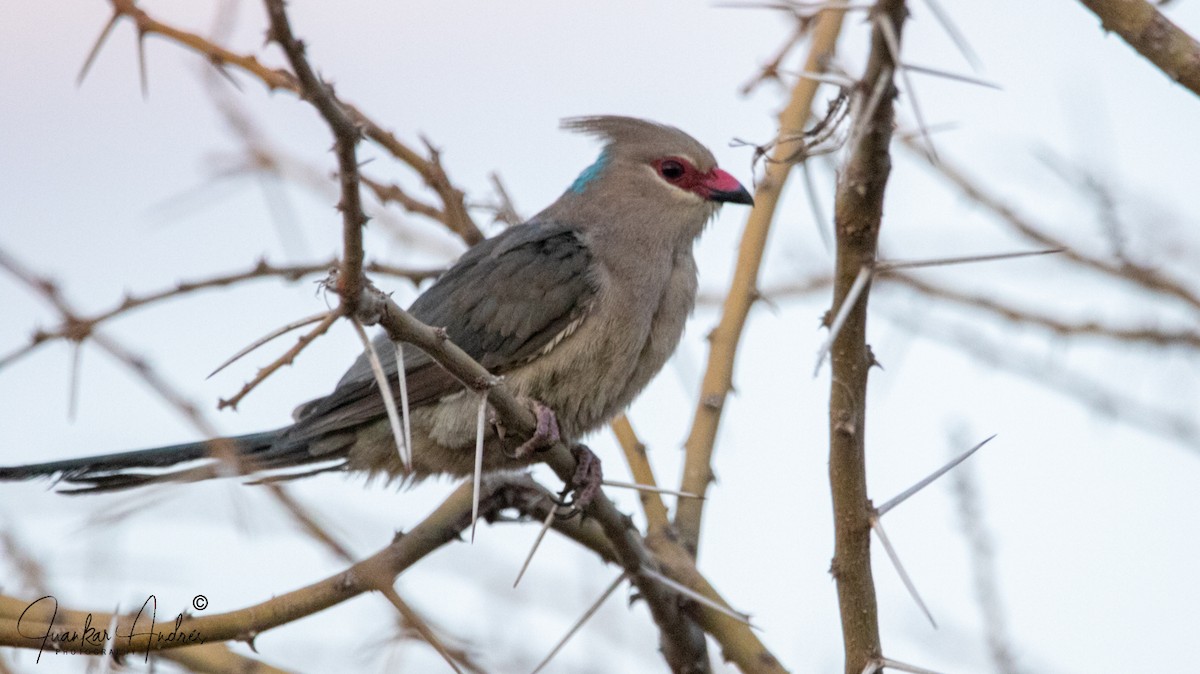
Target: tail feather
(109,472)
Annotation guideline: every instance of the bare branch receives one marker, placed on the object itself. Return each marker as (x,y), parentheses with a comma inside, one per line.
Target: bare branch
(428,168)
(82,326)
(718,376)
(278,332)
(1154,36)
(287,358)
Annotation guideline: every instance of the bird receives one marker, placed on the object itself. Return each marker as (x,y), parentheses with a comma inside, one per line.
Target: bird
(577,309)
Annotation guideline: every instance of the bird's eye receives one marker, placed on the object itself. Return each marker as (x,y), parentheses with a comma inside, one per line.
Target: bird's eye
(671,169)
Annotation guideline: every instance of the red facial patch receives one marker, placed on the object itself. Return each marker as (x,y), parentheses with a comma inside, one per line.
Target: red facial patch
(680,173)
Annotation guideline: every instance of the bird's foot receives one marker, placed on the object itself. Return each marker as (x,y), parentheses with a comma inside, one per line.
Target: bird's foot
(545,434)
(585,483)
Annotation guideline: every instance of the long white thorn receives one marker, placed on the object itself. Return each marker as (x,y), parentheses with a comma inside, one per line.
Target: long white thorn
(904,667)
(894,265)
(403,377)
(860,283)
(650,488)
(937,72)
(955,34)
(893,44)
(478,461)
(536,542)
(826,78)
(908,584)
(902,496)
(385,390)
(818,215)
(612,587)
(268,337)
(696,596)
(865,112)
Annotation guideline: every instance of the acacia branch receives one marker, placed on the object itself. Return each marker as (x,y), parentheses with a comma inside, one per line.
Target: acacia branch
(80,327)
(378,571)
(718,376)
(456,216)
(858,212)
(1154,36)
(682,641)
(657,520)
(346,135)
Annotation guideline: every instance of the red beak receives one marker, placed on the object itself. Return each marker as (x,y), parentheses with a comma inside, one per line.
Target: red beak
(720,186)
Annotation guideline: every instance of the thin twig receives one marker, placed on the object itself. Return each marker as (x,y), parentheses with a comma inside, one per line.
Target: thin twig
(287,358)
(346,134)
(278,332)
(83,325)
(724,339)
(639,465)
(1140,275)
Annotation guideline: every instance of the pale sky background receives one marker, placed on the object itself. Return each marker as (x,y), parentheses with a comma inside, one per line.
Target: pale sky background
(1094,522)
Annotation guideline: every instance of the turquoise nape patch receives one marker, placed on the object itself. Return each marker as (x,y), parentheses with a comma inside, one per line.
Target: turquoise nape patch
(590,173)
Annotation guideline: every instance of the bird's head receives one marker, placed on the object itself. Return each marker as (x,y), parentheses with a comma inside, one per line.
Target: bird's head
(646,165)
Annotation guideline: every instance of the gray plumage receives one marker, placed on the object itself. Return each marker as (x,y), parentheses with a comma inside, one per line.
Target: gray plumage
(578,308)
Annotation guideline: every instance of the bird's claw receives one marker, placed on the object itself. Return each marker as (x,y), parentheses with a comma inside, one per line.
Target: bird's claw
(584,484)
(545,434)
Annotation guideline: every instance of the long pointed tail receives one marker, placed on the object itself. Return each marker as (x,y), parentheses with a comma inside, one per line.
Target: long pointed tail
(109,472)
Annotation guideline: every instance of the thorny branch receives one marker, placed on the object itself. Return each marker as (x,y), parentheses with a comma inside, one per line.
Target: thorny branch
(682,643)
(718,377)
(346,135)
(857,216)
(377,572)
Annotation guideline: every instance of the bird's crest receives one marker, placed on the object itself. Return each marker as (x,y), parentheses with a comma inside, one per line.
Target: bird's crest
(635,137)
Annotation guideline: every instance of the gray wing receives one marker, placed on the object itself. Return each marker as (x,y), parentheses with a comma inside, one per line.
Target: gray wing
(503,302)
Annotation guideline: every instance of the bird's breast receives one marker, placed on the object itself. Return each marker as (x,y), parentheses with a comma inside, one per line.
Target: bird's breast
(629,331)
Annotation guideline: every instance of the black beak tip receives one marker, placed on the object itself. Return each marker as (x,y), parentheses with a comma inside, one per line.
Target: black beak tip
(738,196)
